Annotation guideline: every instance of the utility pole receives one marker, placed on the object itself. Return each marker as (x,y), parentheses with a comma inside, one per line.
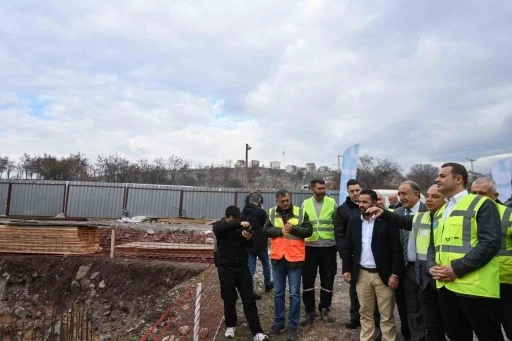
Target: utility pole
(247,148)
(472,160)
(339,163)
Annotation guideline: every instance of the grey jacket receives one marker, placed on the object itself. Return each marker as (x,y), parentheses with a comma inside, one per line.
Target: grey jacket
(489,242)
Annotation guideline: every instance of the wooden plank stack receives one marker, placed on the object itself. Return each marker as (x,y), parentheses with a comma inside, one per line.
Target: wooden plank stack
(45,238)
(167,250)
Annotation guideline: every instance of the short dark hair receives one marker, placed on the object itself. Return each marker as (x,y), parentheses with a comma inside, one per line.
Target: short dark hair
(458,169)
(352,182)
(254,198)
(317,181)
(233,211)
(282,193)
(373,195)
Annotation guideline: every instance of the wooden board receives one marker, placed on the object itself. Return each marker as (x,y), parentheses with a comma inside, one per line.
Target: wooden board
(170,250)
(46,239)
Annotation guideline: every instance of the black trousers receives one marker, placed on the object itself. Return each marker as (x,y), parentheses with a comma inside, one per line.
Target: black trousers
(434,328)
(401,305)
(323,258)
(506,308)
(231,280)
(463,315)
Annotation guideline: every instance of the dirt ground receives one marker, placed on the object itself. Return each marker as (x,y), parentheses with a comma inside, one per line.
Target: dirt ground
(319,331)
(124,295)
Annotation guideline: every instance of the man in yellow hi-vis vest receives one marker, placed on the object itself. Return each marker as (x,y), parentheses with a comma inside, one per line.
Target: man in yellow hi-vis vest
(463,258)
(320,253)
(420,223)
(487,187)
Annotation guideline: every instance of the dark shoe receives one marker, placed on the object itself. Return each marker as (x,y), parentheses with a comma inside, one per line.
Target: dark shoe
(274,330)
(310,318)
(324,315)
(256,297)
(353,324)
(292,334)
(269,287)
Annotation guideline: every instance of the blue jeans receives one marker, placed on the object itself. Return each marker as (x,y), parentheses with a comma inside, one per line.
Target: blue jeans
(281,271)
(265,262)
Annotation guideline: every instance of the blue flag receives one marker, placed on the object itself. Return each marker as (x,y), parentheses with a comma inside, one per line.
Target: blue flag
(348,170)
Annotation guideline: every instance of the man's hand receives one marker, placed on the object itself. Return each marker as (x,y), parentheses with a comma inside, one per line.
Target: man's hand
(245,224)
(443,273)
(246,234)
(393,282)
(346,277)
(377,211)
(287,228)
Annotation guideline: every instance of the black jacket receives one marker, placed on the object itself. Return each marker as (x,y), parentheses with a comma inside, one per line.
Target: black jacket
(230,244)
(341,218)
(386,249)
(305,230)
(257,217)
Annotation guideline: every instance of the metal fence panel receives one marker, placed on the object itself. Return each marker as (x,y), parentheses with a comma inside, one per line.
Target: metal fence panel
(95,202)
(4,190)
(36,200)
(206,204)
(153,203)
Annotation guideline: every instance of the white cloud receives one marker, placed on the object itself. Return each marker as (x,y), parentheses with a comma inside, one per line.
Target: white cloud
(201,79)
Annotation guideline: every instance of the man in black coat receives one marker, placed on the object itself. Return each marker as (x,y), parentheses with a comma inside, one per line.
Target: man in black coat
(342,216)
(373,261)
(231,260)
(259,249)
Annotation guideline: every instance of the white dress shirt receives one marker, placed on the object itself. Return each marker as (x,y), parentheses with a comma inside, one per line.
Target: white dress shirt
(367,259)
(411,243)
(452,202)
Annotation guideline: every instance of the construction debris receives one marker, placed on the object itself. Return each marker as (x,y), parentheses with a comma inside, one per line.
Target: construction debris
(167,250)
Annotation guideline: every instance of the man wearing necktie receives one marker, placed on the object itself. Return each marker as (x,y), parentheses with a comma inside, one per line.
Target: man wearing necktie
(407,295)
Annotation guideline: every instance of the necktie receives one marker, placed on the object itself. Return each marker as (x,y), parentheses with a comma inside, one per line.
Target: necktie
(405,239)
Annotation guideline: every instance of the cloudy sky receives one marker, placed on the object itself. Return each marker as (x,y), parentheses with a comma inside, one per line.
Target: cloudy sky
(416,81)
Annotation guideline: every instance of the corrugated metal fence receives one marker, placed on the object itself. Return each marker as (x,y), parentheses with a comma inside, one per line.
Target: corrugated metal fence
(108,200)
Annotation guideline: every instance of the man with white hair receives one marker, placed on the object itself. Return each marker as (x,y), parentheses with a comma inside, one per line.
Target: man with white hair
(487,187)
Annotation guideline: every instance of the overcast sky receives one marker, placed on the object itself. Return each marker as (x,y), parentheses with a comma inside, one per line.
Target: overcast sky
(416,81)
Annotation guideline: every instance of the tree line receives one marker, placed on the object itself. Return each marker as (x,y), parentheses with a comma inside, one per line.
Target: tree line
(372,172)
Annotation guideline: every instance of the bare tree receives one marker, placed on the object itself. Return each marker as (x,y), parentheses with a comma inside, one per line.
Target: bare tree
(174,164)
(3,165)
(78,166)
(423,175)
(378,173)
(9,168)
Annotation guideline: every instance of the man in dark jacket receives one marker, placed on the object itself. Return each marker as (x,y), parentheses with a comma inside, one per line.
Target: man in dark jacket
(257,218)
(231,259)
(343,214)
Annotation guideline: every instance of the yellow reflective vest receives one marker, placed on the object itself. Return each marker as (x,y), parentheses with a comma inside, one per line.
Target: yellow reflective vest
(421,229)
(505,254)
(455,238)
(323,227)
(291,247)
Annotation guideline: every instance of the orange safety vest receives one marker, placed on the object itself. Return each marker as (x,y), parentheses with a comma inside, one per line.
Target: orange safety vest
(292,248)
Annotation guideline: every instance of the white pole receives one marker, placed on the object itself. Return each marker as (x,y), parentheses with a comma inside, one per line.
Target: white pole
(197,313)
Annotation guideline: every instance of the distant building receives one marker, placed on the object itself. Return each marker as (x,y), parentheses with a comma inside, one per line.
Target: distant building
(255,163)
(323,169)
(302,169)
(291,169)
(240,163)
(310,167)
(275,165)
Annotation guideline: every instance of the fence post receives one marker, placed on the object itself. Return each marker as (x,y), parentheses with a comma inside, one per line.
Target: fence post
(180,210)
(112,242)
(197,313)
(8,204)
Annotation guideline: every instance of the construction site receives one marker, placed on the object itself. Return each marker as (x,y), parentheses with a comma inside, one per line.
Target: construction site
(64,277)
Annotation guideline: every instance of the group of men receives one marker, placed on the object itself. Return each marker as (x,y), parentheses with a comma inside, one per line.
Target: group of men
(446,264)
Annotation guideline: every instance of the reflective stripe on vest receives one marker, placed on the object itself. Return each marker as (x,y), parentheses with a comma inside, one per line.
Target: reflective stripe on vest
(421,228)
(455,238)
(505,254)
(291,247)
(323,227)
